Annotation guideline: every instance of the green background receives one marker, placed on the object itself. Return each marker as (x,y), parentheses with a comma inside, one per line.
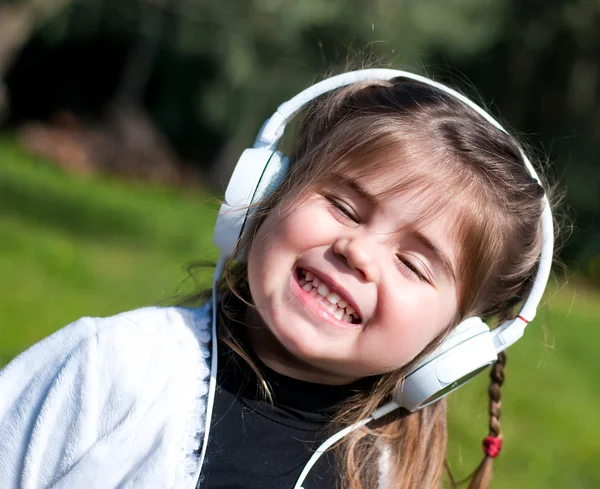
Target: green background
(71,247)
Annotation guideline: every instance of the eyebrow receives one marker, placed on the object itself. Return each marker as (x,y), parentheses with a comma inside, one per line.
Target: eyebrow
(444,261)
(353,185)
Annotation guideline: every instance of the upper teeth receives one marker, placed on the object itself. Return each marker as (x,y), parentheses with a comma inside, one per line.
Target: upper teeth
(339,307)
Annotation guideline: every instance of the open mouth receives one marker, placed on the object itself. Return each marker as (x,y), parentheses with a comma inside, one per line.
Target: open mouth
(333,300)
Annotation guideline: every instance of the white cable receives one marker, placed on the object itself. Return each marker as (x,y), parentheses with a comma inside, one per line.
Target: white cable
(212,386)
(324,446)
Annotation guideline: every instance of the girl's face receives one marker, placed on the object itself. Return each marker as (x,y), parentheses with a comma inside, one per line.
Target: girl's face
(349,285)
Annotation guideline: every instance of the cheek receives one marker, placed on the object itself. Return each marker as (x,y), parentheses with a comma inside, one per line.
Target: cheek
(278,243)
(300,230)
(412,320)
(304,228)
(260,261)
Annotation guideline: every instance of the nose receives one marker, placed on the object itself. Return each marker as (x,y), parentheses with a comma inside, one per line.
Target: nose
(359,254)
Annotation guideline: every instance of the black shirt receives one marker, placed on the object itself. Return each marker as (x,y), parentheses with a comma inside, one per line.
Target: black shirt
(254,444)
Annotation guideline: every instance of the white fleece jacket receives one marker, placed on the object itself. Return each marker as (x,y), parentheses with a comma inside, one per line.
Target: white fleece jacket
(108,403)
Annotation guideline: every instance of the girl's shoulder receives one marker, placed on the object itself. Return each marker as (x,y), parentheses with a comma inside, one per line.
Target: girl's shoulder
(152,340)
(158,331)
(142,339)
(133,383)
(154,323)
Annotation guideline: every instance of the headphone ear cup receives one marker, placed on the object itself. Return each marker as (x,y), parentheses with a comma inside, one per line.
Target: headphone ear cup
(272,177)
(257,173)
(468,350)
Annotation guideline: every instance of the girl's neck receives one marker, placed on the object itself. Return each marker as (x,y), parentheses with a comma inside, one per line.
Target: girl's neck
(313,402)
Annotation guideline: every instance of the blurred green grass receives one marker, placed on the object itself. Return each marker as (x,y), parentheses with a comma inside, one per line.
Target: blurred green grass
(71,247)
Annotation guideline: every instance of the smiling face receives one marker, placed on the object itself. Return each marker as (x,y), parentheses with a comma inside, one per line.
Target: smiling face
(351,282)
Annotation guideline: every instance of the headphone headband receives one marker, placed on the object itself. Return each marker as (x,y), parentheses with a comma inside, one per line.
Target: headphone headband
(270,134)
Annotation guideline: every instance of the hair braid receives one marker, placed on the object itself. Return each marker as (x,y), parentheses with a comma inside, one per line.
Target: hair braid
(483,474)
(497,376)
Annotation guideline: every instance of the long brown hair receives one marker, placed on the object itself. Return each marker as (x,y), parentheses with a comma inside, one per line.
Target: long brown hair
(430,141)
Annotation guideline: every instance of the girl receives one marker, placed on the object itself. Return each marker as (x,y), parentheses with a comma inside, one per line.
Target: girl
(351,298)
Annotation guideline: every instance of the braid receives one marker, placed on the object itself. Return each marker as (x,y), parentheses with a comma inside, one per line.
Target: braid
(482,476)
(497,377)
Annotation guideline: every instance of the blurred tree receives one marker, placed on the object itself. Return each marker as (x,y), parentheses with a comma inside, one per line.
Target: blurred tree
(18,21)
(210,72)
(543,72)
(263,51)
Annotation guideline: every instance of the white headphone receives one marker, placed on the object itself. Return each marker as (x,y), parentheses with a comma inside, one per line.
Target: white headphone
(470,348)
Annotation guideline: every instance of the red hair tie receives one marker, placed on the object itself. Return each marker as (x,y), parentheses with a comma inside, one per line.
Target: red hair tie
(492,446)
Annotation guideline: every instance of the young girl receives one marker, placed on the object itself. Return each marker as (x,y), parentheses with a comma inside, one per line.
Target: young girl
(360,275)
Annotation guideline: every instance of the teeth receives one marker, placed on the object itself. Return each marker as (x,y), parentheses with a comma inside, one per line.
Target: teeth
(323,290)
(335,304)
(333,298)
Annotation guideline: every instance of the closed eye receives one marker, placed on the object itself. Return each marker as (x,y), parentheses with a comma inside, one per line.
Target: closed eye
(343,208)
(411,270)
